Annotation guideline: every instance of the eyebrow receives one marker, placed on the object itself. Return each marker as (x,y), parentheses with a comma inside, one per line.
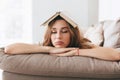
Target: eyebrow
(62,28)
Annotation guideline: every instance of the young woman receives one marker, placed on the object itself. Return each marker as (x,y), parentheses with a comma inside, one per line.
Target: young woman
(62,39)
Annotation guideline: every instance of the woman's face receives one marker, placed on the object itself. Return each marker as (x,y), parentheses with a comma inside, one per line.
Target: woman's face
(60,35)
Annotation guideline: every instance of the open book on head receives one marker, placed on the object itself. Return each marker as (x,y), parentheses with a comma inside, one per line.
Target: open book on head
(61,14)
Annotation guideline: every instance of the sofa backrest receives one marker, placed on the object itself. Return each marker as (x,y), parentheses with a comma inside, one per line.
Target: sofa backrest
(112,33)
(95,33)
(105,33)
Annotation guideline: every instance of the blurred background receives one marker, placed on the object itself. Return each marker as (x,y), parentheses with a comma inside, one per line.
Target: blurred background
(20,20)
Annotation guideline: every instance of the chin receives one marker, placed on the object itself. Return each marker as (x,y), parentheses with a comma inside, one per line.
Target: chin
(60,46)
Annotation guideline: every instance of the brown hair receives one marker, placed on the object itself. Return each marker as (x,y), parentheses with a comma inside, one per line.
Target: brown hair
(76,38)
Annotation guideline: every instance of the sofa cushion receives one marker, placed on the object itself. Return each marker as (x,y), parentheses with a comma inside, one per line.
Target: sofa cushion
(47,65)
(112,33)
(95,34)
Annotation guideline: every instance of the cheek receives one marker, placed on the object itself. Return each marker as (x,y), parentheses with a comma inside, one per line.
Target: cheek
(67,39)
(52,38)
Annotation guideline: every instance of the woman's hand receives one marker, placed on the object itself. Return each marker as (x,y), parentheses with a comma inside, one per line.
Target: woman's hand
(64,52)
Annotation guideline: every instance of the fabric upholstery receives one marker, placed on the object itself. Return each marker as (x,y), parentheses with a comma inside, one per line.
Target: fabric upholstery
(95,34)
(47,65)
(16,76)
(105,33)
(112,33)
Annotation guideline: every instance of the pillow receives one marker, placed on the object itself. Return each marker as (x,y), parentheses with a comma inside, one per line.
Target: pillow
(112,34)
(95,34)
(47,65)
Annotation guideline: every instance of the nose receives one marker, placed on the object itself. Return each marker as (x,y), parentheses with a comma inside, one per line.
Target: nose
(58,35)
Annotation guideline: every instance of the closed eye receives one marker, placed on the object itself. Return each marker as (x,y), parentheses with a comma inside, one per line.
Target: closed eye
(65,30)
(53,32)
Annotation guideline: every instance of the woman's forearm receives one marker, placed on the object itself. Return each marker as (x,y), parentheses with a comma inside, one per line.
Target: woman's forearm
(19,48)
(101,53)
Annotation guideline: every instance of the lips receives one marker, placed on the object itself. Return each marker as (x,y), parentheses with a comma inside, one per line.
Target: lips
(59,43)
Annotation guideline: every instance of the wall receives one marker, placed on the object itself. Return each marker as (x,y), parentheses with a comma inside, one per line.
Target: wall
(109,9)
(93,14)
(80,10)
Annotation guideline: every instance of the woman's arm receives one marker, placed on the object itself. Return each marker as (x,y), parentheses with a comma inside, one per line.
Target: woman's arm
(101,53)
(22,48)
(98,52)
(18,48)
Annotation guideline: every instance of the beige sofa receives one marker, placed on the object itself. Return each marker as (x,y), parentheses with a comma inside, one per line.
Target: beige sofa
(46,67)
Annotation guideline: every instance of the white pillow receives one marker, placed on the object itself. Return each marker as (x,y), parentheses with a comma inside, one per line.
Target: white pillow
(95,34)
(112,34)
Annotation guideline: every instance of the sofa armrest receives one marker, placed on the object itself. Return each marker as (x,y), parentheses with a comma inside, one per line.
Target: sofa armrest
(47,65)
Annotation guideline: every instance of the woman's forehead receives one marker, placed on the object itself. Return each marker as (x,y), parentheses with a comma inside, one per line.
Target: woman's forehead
(60,23)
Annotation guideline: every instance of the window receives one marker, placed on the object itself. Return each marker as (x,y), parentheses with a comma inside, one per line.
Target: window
(15,21)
